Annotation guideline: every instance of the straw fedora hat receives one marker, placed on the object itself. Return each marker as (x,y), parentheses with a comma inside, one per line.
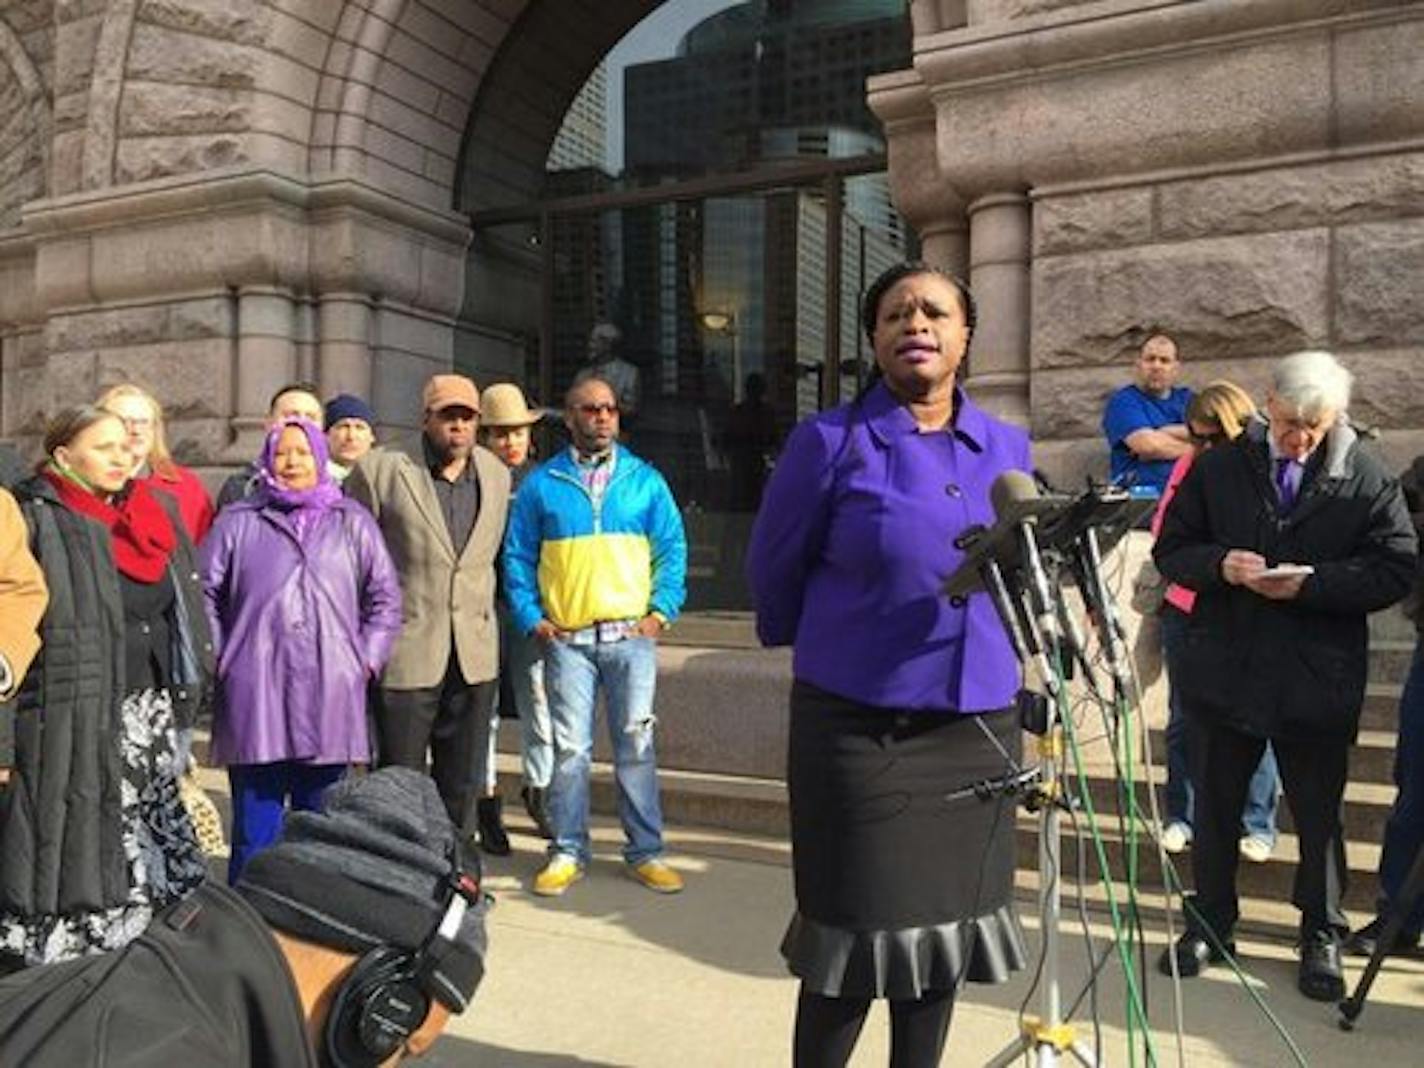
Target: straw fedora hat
(503,405)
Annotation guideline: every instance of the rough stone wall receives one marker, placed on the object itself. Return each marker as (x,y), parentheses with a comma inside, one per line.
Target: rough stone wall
(1247,176)
(1241,269)
(26,64)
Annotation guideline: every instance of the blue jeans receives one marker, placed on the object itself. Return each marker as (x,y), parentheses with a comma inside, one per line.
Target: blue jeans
(627,671)
(1258,818)
(521,667)
(1404,831)
(259,803)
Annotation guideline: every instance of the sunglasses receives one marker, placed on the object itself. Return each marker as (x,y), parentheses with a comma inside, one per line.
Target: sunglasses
(1216,437)
(597,409)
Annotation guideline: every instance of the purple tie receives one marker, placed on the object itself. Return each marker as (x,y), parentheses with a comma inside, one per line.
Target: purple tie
(1285,485)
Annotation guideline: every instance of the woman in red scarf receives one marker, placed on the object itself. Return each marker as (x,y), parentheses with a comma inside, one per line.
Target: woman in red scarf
(92,831)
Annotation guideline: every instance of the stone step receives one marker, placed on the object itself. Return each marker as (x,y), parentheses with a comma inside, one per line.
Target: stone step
(1389,660)
(1371,757)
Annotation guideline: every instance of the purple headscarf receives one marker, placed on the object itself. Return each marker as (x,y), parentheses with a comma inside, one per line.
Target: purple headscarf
(304,506)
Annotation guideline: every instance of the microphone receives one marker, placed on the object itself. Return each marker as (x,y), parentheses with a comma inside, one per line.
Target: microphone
(1008,491)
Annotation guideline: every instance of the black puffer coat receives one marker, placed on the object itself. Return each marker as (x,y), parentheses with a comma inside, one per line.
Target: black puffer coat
(61,848)
(1286,668)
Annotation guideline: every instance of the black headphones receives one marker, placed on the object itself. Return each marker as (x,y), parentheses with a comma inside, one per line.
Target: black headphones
(386,996)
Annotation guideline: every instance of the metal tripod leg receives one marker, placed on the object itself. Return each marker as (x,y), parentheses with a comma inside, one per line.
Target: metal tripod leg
(1048,1037)
(1399,910)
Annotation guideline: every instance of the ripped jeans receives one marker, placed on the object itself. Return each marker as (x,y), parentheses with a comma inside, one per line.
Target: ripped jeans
(627,671)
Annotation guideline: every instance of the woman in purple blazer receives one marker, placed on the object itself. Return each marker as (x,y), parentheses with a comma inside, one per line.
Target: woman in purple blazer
(305,606)
(902,696)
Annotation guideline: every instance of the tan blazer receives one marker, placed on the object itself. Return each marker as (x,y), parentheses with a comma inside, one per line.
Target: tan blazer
(444,595)
(23,595)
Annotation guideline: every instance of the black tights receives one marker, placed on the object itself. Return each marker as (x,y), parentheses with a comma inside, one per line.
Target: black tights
(826,1029)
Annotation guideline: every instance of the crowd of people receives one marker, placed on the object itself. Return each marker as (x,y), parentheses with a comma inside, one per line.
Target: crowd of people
(354,604)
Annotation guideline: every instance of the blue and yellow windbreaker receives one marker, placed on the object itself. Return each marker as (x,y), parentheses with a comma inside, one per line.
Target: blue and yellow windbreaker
(577,567)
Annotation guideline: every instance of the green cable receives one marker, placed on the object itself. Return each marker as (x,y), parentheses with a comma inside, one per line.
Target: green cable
(1135,1009)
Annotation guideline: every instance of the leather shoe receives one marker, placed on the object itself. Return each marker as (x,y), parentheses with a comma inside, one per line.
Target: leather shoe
(1365,941)
(1193,952)
(1320,976)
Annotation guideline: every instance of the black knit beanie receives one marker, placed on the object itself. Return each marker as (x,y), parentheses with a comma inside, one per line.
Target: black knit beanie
(372,868)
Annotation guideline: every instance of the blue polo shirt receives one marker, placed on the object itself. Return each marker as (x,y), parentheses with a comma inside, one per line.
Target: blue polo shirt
(1130,410)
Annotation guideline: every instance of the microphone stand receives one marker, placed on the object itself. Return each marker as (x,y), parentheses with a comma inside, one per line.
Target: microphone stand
(1048,1036)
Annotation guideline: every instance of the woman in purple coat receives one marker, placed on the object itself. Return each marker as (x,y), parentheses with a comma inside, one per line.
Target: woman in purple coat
(903,696)
(305,605)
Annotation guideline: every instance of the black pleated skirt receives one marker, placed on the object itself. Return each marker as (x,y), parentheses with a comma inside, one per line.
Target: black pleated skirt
(902,887)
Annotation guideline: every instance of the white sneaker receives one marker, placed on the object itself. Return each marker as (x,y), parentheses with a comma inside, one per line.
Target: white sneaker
(1256,850)
(1176,836)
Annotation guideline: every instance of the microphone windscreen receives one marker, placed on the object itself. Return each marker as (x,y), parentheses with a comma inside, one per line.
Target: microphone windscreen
(1010,488)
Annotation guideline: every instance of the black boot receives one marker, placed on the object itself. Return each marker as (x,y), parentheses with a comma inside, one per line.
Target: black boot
(536,803)
(489,814)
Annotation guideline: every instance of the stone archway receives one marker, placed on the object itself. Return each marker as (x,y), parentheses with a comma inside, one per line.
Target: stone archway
(221,195)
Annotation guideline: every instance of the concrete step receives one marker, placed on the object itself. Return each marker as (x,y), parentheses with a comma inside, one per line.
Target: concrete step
(1270,881)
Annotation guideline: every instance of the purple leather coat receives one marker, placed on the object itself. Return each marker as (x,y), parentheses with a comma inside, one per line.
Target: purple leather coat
(300,625)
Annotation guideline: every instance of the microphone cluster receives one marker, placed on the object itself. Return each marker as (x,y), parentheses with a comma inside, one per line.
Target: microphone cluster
(1007,561)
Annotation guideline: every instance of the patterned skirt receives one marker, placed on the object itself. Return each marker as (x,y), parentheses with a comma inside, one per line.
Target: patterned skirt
(162,852)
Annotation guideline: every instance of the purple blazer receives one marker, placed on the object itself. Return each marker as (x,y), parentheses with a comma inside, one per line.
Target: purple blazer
(854,540)
(300,625)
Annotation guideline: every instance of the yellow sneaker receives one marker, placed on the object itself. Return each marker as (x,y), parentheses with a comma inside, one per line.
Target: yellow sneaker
(558,875)
(656,876)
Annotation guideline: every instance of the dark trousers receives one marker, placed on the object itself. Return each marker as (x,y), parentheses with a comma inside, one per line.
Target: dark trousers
(451,723)
(1313,775)
(1404,833)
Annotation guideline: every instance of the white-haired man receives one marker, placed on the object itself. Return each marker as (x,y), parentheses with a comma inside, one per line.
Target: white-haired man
(1291,535)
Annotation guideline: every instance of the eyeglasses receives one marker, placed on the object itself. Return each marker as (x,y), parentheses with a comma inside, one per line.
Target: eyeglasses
(598,409)
(1216,437)
(136,423)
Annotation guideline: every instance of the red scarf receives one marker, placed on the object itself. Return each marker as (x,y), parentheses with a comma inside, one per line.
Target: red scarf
(138,526)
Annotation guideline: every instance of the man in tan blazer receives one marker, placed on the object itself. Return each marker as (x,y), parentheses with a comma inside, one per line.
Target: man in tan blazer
(23,598)
(440,500)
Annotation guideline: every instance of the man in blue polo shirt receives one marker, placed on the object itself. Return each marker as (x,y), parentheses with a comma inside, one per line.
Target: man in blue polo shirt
(1145,422)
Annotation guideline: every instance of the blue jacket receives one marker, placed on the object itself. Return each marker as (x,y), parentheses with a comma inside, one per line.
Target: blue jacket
(575,566)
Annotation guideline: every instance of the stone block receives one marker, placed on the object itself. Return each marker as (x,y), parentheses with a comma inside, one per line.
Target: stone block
(985,11)
(419,58)
(66,162)
(141,158)
(1224,297)
(1389,387)
(239,21)
(1379,277)
(487,22)
(407,185)
(1190,108)
(1379,82)
(17,288)
(394,149)
(399,84)
(1108,219)
(1287,198)
(71,109)
(414,125)
(1067,463)
(397,379)
(400,331)
(160,54)
(106,327)
(155,108)
(74,54)
(298,40)
(281,117)
(190,378)
(322,14)
(432,29)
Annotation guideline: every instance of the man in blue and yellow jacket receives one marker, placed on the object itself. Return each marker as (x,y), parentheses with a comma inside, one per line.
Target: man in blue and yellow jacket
(595,564)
